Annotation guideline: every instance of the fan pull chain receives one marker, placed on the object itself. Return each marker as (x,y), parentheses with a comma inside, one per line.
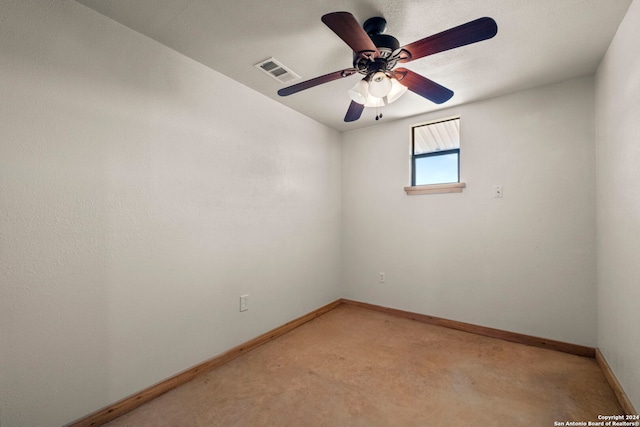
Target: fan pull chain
(378,113)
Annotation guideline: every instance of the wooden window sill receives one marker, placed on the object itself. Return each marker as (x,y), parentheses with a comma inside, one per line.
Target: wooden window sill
(454,187)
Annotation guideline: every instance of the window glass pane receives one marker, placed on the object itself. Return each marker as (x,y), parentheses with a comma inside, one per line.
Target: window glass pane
(439,169)
(436,137)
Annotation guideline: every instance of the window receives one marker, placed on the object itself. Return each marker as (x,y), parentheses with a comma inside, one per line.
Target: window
(435,153)
(435,158)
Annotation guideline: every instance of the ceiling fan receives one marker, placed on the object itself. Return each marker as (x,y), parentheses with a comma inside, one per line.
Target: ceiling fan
(375,56)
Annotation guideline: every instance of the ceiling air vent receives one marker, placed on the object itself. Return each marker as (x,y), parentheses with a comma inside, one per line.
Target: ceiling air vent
(276,70)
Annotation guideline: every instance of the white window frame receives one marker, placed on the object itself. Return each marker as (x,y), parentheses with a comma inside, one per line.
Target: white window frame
(453,187)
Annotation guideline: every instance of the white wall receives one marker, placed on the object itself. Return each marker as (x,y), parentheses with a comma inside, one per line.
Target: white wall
(141,194)
(524,263)
(618,207)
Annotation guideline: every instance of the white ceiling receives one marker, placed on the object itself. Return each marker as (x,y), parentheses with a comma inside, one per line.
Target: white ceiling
(538,42)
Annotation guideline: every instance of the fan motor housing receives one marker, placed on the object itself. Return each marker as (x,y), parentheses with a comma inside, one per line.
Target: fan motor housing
(375,28)
(385,41)
(386,44)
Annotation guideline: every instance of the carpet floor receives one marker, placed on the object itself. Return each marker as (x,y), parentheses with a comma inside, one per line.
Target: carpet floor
(357,367)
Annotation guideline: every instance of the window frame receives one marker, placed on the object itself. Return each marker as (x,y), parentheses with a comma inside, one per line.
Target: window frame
(454,187)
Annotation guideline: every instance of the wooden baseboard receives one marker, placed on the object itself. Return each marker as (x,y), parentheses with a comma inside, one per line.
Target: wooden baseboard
(481,330)
(615,385)
(579,350)
(127,404)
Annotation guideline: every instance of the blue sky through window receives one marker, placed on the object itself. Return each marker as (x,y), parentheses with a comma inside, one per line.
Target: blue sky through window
(437,169)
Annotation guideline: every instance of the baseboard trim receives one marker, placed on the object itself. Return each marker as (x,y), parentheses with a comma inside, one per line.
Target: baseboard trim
(576,349)
(128,404)
(623,399)
(132,402)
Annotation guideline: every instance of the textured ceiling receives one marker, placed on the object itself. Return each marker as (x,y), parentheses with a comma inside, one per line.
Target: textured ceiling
(538,42)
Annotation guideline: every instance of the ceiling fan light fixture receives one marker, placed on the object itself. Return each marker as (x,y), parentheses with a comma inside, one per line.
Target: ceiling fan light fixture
(374,102)
(380,85)
(360,92)
(376,55)
(397,90)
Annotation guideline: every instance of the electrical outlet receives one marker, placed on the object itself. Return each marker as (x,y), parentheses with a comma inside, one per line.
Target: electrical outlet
(497,191)
(244,302)
(381,277)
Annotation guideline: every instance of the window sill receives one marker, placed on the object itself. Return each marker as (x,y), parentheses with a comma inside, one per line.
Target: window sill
(454,187)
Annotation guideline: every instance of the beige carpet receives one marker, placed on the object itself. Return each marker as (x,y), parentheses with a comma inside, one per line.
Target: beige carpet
(356,367)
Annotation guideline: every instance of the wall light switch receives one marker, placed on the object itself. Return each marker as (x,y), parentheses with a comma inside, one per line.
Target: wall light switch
(497,191)
(244,303)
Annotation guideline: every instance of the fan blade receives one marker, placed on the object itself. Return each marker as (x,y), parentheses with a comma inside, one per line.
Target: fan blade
(289,90)
(471,32)
(354,112)
(348,29)
(423,86)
